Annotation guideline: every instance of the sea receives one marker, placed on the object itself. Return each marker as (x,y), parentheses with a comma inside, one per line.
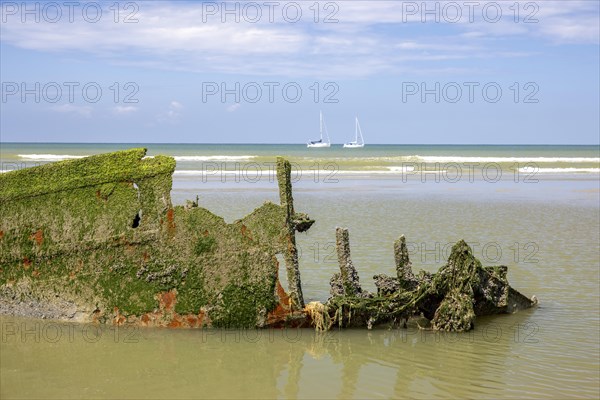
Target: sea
(535,209)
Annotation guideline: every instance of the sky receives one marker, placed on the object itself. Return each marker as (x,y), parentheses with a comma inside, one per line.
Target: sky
(436,72)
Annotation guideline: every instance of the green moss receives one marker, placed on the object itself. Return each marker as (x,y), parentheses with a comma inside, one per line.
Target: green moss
(89,250)
(266,223)
(106,190)
(460,272)
(71,174)
(455,313)
(191,294)
(122,288)
(70,221)
(446,297)
(240,305)
(290,251)
(204,244)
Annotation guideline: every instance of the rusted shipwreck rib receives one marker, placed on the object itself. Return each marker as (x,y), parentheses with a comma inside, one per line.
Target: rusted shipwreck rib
(97,239)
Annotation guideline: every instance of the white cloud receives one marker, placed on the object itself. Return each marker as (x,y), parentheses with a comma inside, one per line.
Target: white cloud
(233,107)
(172,113)
(173,36)
(124,110)
(84,111)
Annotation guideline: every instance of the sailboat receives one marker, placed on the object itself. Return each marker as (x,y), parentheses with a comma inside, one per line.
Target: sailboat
(357,134)
(320,142)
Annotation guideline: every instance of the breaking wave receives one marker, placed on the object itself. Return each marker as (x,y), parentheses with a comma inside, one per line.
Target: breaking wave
(213,158)
(49,157)
(463,159)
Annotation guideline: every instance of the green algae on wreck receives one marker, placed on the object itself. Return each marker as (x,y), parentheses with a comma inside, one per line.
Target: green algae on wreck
(98,239)
(450,299)
(101,234)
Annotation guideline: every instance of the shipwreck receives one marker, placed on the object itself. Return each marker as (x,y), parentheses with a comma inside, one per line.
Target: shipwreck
(98,240)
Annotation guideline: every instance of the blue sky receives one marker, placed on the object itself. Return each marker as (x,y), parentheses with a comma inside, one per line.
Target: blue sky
(162,73)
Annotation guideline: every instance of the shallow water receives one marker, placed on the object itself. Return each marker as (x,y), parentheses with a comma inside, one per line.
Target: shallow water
(547,233)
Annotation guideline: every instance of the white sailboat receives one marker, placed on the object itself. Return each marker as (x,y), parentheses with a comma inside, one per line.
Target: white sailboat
(320,142)
(357,134)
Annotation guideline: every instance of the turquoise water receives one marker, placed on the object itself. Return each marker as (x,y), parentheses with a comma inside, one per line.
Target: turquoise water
(545,229)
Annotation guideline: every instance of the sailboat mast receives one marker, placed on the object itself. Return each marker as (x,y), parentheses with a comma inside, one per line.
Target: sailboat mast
(326,133)
(321,124)
(359,132)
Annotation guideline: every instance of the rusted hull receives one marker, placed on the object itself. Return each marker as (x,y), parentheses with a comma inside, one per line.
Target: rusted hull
(101,236)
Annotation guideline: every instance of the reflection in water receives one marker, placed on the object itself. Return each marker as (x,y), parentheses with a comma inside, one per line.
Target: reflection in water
(94,361)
